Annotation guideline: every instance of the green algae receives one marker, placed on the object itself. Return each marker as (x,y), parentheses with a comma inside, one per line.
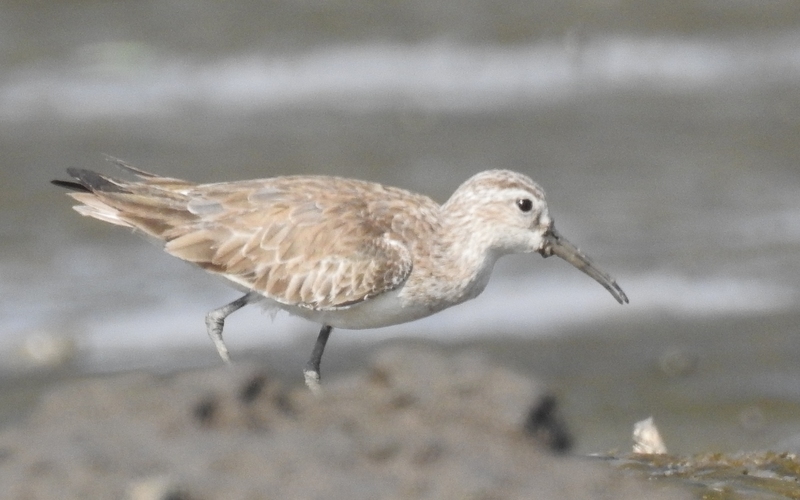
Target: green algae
(763,475)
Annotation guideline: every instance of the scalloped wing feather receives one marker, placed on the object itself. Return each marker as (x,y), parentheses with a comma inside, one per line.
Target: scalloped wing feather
(315,242)
(298,241)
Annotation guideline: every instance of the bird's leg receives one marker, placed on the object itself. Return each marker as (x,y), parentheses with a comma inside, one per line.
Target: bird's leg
(215,320)
(311,371)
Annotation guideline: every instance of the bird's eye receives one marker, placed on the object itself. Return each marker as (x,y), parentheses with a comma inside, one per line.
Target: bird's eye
(525,204)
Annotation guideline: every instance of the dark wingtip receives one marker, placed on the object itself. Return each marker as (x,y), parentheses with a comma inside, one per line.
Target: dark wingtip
(70,185)
(89,181)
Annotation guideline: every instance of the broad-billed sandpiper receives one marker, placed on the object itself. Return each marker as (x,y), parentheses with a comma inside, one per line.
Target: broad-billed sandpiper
(340,252)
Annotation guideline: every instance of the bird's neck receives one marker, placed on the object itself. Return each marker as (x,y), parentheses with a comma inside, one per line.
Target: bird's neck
(458,265)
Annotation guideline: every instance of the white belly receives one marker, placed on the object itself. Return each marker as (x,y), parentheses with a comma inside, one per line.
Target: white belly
(383,310)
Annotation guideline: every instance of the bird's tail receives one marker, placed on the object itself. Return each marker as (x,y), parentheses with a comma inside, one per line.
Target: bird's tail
(152,204)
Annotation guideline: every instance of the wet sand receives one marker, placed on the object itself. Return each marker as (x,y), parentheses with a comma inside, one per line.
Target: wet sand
(413,422)
(712,384)
(407,418)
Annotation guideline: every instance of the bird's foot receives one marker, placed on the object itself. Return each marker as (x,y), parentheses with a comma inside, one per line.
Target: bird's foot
(222,349)
(312,381)
(214,325)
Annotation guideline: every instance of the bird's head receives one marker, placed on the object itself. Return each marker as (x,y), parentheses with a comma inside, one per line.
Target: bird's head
(506,212)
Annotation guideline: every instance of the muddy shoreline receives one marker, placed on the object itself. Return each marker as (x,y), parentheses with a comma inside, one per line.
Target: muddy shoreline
(412,423)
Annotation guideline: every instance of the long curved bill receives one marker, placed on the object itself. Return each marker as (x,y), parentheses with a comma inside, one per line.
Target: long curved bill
(555,244)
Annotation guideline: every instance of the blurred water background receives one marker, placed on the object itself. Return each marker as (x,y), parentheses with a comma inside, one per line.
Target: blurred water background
(666,134)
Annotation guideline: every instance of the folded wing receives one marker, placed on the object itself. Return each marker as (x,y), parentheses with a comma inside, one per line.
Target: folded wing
(304,241)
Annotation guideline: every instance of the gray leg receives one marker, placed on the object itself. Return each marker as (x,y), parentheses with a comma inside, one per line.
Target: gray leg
(311,371)
(215,320)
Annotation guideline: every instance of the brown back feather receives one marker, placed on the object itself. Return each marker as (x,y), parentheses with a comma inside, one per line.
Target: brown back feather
(316,242)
